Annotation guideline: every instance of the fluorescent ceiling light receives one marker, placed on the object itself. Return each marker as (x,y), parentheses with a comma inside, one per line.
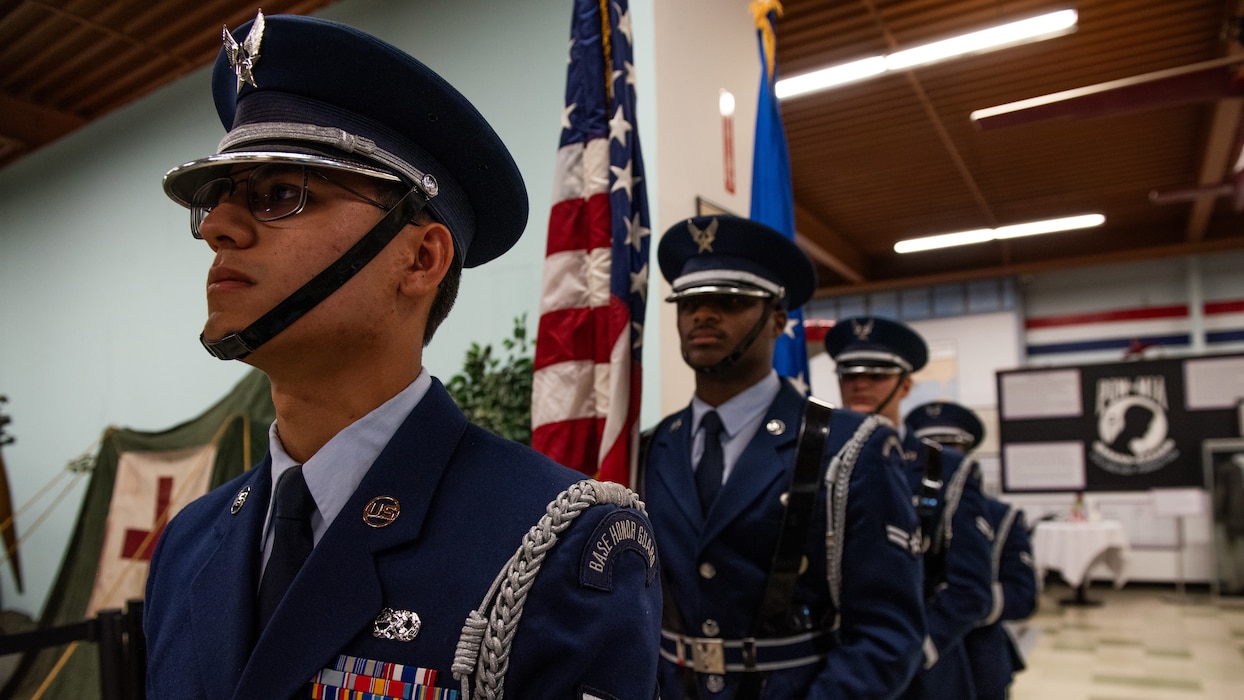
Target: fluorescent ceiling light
(826,78)
(1032,29)
(947,240)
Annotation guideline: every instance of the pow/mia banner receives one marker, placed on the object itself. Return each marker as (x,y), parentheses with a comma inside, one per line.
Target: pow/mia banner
(1137,431)
(1127,426)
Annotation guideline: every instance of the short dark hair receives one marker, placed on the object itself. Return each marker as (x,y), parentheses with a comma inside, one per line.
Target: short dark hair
(446,295)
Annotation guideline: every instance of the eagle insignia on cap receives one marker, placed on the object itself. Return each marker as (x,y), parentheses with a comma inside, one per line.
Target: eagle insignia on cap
(933,410)
(703,237)
(244,56)
(862,331)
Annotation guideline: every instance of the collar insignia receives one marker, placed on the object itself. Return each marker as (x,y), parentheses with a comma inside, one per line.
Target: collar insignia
(381,511)
(862,331)
(704,238)
(240,500)
(244,56)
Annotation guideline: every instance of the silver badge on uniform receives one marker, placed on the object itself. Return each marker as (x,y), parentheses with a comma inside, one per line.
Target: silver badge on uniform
(775,427)
(398,625)
(240,500)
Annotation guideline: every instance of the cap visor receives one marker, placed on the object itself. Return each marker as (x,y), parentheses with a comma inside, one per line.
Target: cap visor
(719,290)
(181,183)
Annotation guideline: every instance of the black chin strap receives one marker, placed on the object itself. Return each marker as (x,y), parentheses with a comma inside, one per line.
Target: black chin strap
(236,346)
(890,396)
(729,360)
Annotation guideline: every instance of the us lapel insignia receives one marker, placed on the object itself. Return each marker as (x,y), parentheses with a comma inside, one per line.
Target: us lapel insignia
(398,625)
(381,511)
(675,425)
(775,427)
(240,500)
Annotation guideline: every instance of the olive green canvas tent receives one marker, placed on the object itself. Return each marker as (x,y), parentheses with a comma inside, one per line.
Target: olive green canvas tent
(139,480)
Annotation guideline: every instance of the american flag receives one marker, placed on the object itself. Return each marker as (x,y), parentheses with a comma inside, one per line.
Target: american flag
(586,388)
(773,198)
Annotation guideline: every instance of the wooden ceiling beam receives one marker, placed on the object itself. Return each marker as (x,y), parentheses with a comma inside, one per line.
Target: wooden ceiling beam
(828,248)
(32,124)
(1224,143)
(1221,148)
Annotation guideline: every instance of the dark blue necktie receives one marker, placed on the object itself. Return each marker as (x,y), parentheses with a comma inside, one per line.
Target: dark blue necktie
(292,506)
(712,463)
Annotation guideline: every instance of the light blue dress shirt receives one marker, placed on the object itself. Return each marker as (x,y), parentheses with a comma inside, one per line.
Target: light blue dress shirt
(334,472)
(740,419)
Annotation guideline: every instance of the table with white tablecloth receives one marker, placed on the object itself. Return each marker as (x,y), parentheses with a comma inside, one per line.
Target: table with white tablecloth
(1072,548)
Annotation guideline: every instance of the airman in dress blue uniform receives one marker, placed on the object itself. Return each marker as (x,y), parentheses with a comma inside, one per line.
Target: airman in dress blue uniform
(790,563)
(992,650)
(403,552)
(875,359)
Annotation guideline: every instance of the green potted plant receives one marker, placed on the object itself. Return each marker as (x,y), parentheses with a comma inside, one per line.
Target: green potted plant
(495,392)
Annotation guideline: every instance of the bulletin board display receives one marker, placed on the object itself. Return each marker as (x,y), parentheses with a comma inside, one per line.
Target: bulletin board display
(1126,426)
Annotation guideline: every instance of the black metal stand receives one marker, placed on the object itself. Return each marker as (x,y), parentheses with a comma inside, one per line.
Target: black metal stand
(122,648)
(1081,598)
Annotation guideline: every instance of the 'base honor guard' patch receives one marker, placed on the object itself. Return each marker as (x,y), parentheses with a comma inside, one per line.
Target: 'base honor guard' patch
(619,532)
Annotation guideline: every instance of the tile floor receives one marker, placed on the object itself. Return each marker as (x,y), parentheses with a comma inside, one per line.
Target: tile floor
(1141,643)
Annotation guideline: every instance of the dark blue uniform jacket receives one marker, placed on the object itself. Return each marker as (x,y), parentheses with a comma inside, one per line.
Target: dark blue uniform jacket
(994,656)
(716,566)
(466,499)
(962,596)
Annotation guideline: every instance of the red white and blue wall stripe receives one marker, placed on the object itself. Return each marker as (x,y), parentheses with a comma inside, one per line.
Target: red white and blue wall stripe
(1115,332)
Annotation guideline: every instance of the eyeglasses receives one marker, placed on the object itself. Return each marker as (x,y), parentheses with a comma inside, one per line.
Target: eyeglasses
(273,191)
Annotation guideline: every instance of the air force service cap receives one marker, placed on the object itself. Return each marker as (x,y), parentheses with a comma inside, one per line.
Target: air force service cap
(946,422)
(310,91)
(735,256)
(874,345)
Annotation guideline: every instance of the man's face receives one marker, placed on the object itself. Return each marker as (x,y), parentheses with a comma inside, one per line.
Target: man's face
(865,392)
(259,264)
(711,327)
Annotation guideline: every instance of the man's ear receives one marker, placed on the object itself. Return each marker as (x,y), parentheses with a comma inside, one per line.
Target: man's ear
(433,253)
(905,388)
(779,322)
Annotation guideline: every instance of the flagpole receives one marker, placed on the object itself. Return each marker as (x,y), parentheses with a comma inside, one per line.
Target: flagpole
(773,200)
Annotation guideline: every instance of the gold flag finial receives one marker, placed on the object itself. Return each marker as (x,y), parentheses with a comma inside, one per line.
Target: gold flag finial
(760,10)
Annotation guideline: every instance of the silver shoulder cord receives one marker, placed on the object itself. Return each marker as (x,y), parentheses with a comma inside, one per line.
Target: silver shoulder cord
(483,653)
(837,481)
(952,495)
(999,542)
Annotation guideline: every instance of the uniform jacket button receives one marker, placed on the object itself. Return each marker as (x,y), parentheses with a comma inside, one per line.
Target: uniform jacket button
(710,628)
(707,570)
